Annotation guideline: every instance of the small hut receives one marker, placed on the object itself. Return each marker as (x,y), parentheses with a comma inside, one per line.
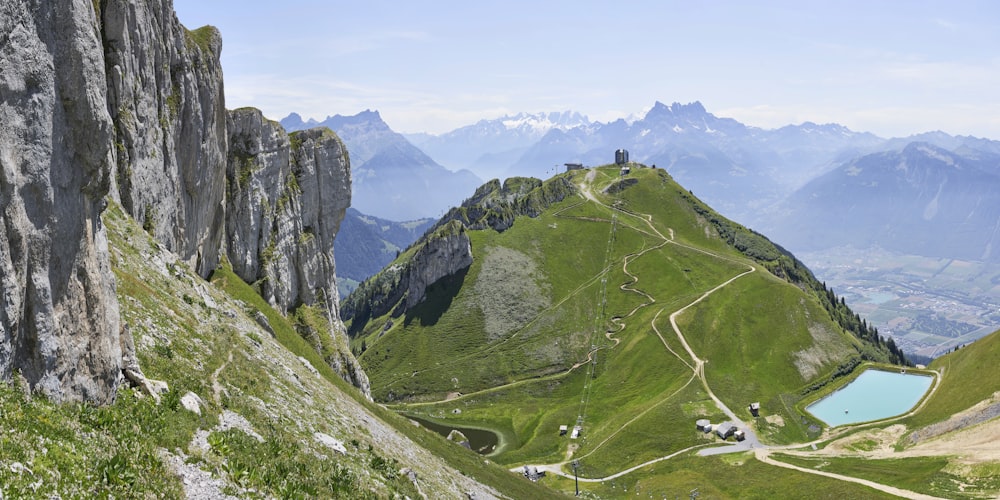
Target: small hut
(755,409)
(725,429)
(701,424)
(563,429)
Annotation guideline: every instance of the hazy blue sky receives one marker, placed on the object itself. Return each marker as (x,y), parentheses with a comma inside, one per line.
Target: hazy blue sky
(890,67)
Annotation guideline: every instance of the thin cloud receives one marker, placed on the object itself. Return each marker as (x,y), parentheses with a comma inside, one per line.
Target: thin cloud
(946,24)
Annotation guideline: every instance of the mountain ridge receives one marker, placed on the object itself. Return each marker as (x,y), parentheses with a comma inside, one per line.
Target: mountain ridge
(379,291)
(365,244)
(930,201)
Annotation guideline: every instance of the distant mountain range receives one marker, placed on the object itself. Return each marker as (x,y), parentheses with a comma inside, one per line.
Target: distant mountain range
(810,186)
(921,199)
(490,147)
(392,178)
(737,168)
(792,182)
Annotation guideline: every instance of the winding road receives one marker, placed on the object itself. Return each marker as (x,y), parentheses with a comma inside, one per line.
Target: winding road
(751,443)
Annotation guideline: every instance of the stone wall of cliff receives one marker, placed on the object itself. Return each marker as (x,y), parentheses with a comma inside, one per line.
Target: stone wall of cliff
(165,95)
(446,248)
(401,286)
(447,253)
(286,197)
(59,323)
(116,98)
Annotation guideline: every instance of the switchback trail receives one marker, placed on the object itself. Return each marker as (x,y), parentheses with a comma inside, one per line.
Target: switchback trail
(698,367)
(761,452)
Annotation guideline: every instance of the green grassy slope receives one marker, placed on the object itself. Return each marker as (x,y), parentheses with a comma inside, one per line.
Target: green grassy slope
(202,339)
(929,475)
(509,344)
(965,380)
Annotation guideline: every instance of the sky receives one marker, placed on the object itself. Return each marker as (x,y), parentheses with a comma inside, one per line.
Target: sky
(891,67)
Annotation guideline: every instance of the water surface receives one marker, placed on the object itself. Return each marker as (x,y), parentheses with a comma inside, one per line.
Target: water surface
(481,441)
(874,395)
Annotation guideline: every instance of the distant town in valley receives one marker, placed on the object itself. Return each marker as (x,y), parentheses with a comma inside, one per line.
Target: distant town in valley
(929,306)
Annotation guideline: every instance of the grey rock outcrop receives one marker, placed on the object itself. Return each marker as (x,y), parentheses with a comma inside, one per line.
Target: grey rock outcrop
(59,321)
(401,286)
(446,254)
(165,95)
(286,198)
(116,98)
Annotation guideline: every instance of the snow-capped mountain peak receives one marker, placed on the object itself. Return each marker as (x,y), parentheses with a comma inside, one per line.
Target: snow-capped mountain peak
(540,123)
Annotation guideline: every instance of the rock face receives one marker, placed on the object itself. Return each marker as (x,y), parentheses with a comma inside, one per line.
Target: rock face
(441,253)
(166,98)
(446,254)
(59,325)
(286,198)
(446,248)
(116,98)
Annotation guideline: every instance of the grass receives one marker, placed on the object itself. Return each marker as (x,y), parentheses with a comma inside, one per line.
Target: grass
(510,361)
(198,339)
(740,476)
(928,475)
(79,450)
(759,345)
(963,383)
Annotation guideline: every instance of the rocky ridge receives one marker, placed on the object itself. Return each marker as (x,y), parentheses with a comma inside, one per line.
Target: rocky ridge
(401,286)
(446,250)
(287,195)
(448,253)
(117,99)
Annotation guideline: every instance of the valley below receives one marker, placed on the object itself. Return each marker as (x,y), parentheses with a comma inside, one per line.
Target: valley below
(928,305)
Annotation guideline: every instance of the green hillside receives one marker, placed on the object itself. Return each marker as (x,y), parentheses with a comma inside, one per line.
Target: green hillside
(965,381)
(271,412)
(564,314)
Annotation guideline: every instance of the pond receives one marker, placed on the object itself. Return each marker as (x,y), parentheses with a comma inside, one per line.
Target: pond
(874,395)
(481,441)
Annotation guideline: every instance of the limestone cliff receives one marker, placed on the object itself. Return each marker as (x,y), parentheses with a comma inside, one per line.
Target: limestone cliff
(116,98)
(166,98)
(59,325)
(403,284)
(447,253)
(446,249)
(286,198)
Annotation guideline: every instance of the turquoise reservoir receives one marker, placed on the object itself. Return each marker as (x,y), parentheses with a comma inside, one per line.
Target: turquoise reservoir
(874,395)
